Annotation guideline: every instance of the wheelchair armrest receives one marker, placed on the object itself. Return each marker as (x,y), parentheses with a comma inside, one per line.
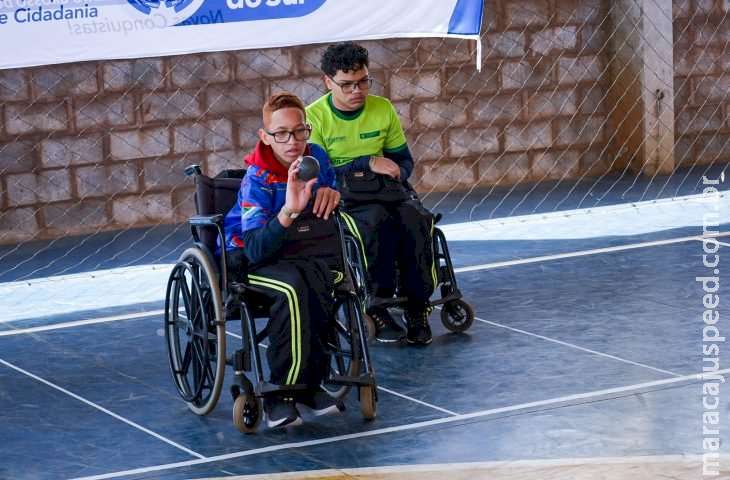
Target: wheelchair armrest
(204,220)
(205,223)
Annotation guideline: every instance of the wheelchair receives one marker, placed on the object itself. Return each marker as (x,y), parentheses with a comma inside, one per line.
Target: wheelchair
(457,315)
(205,293)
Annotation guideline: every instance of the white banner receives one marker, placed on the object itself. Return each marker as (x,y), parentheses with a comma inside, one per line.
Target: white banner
(42,32)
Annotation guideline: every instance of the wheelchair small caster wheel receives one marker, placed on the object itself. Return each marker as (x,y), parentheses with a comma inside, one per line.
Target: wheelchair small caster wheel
(247,412)
(369,327)
(457,316)
(368,403)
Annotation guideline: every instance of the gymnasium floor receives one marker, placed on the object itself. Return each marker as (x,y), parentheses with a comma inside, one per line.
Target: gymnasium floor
(582,362)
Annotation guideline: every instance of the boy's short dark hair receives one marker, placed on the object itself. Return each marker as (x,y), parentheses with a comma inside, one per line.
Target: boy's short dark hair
(345,56)
(279,101)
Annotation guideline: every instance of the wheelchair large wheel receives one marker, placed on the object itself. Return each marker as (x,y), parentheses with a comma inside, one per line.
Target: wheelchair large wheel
(247,412)
(457,316)
(344,346)
(195,331)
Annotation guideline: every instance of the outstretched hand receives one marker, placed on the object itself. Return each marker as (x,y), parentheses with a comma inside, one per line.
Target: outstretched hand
(298,192)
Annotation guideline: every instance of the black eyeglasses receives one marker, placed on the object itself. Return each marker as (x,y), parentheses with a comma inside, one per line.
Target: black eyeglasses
(348,87)
(284,136)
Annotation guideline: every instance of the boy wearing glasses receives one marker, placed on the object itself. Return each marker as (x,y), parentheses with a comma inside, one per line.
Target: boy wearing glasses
(283,226)
(362,133)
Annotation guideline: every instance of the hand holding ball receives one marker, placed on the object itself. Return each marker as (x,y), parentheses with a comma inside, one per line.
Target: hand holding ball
(308,168)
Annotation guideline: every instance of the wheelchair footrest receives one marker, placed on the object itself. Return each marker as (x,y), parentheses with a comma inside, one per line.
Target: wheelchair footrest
(354,381)
(455,295)
(271,390)
(385,302)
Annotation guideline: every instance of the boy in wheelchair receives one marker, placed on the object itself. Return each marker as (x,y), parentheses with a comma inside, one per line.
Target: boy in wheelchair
(283,227)
(364,139)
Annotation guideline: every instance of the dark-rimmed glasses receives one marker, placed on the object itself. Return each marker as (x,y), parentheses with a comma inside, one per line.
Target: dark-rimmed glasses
(348,87)
(284,136)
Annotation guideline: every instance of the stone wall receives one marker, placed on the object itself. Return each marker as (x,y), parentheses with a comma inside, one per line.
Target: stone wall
(702,81)
(102,145)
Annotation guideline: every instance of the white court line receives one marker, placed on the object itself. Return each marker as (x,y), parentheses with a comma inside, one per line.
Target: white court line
(719,243)
(392,392)
(581,253)
(78,323)
(496,469)
(624,219)
(456,270)
(403,428)
(417,401)
(473,268)
(560,342)
(102,409)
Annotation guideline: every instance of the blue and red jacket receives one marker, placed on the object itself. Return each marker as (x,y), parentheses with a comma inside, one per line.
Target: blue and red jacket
(252,223)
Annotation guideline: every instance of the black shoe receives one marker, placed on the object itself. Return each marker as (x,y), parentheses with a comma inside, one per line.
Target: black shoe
(319,402)
(281,412)
(419,331)
(387,329)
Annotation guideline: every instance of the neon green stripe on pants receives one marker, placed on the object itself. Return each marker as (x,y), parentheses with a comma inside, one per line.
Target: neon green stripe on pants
(434,275)
(296,324)
(353,228)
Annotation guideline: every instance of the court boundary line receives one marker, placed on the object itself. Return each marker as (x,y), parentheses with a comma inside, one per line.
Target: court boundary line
(595,210)
(582,253)
(472,268)
(489,466)
(142,315)
(78,323)
(524,332)
(379,387)
(101,409)
(588,350)
(401,428)
(542,337)
(415,400)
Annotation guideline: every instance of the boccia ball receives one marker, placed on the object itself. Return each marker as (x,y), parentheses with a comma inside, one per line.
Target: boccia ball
(308,168)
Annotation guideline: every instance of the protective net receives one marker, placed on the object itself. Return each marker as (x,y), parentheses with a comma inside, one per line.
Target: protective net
(584,110)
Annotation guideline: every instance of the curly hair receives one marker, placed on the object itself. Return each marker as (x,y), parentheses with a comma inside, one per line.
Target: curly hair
(345,56)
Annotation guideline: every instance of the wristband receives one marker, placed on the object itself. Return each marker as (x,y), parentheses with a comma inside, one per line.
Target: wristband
(289,214)
(372,162)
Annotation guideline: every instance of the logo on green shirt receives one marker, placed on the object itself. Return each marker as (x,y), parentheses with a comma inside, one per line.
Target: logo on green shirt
(341,138)
(374,134)
(337,162)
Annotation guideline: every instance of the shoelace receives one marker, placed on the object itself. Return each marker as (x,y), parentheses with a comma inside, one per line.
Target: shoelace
(379,321)
(420,320)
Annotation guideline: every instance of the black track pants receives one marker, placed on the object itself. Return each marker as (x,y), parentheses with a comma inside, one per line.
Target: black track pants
(300,294)
(397,234)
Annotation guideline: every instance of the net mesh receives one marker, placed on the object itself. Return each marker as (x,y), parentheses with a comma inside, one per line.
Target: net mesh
(574,106)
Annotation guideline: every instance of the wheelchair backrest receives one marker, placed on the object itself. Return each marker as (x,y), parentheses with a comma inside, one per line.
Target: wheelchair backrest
(216,195)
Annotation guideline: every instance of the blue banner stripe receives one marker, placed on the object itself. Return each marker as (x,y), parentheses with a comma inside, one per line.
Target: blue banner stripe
(467,17)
